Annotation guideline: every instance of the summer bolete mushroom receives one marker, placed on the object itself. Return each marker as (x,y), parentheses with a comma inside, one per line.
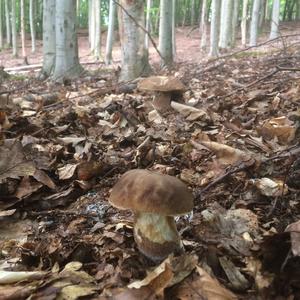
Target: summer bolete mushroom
(164,87)
(155,199)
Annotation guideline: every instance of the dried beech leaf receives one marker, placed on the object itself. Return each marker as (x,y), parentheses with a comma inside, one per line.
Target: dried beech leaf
(226,155)
(211,288)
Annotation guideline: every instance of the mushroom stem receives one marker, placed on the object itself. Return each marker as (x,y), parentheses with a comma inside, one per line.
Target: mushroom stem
(156,235)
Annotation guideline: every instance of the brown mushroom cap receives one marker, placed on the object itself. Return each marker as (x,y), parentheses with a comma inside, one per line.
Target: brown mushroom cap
(146,191)
(161,84)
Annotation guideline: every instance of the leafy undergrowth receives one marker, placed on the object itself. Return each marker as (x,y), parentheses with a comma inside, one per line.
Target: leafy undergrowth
(232,137)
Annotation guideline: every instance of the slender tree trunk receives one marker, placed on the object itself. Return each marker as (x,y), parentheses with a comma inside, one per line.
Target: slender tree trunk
(67,60)
(49,37)
(236,8)
(97,50)
(267,11)
(23,38)
(90,10)
(262,13)
(110,32)
(78,10)
(134,57)
(214,27)
(165,32)
(254,23)
(148,22)
(298,10)
(203,25)
(193,16)
(275,19)
(174,28)
(92,25)
(32,24)
(225,39)
(1,28)
(244,23)
(222,20)
(7,22)
(14,28)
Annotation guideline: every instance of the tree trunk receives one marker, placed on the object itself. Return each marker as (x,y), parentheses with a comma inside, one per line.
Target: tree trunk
(298,10)
(203,25)
(148,21)
(1,28)
(225,38)
(110,32)
(134,58)
(262,13)
(92,25)
(193,16)
(174,28)
(254,23)
(23,31)
(244,23)
(97,50)
(67,61)
(14,28)
(90,9)
(49,36)
(275,19)
(165,32)
(32,24)
(7,22)
(214,27)
(236,8)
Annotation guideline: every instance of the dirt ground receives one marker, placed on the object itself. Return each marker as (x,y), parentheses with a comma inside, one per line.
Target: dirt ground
(187,47)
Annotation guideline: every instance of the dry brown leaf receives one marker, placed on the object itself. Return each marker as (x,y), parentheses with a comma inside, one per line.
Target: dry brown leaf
(13,163)
(281,128)
(226,155)
(67,171)
(269,187)
(294,229)
(189,112)
(211,288)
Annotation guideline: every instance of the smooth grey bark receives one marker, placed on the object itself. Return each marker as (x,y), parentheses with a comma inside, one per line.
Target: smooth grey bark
(203,25)
(254,23)
(1,28)
(14,28)
(222,20)
(165,32)
(298,10)
(49,36)
(92,24)
(110,32)
(22,10)
(275,19)
(174,28)
(236,8)
(134,57)
(225,38)
(148,21)
(214,27)
(262,13)
(32,23)
(66,50)
(97,49)
(7,23)
(90,9)
(193,15)
(244,22)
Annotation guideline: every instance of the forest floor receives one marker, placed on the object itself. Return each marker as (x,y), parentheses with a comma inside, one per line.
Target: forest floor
(232,137)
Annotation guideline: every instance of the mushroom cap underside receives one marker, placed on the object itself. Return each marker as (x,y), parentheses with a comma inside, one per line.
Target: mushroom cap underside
(146,191)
